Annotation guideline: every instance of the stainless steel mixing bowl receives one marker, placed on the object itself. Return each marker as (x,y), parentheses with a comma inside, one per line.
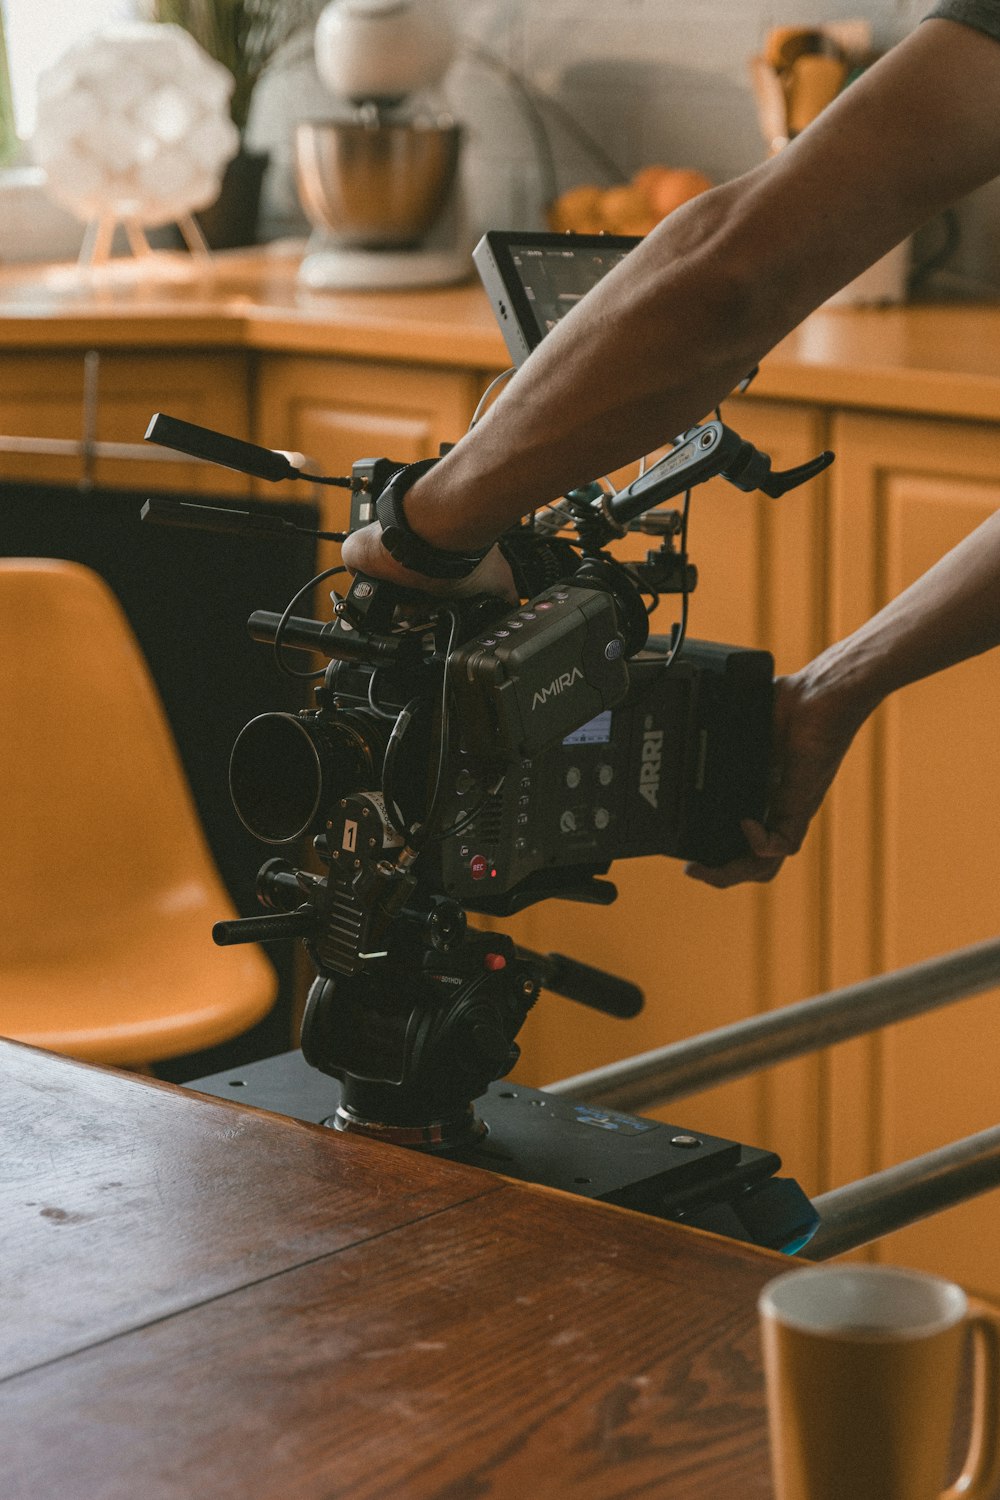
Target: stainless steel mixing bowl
(375,186)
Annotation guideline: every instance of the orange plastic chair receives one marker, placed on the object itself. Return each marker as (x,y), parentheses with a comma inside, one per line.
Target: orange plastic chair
(110,891)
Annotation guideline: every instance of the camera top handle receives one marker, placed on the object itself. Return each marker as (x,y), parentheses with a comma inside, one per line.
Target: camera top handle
(709,449)
(706,450)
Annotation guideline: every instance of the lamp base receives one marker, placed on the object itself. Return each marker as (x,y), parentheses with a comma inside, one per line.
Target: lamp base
(99,236)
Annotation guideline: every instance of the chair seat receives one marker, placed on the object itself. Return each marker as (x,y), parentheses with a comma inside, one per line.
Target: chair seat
(106,949)
(129,997)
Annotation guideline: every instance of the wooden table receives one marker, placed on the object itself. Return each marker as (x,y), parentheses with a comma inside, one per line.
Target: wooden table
(199,1299)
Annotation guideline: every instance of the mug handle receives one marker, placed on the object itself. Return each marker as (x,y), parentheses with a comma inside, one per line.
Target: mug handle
(981,1469)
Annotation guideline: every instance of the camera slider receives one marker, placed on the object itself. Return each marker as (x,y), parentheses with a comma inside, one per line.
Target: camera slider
(688,1177)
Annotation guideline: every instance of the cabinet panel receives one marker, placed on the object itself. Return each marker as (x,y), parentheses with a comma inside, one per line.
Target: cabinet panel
(706,957)
(339,410)
(915,831)
(42,396)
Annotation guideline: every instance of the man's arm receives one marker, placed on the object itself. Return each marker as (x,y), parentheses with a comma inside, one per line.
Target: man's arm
(666,335)
(951,613)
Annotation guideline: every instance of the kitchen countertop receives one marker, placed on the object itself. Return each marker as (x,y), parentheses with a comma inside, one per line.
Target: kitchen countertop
(243,300)
(941,359)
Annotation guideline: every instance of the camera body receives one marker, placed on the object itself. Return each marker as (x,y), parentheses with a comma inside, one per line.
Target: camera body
(600,761)
(527,743)
(470,755)
(473,756)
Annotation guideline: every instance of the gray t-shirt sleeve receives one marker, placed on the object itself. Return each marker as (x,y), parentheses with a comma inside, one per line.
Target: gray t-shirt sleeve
(984,15)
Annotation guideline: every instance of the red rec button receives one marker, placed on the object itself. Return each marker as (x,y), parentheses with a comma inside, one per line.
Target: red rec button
(478,867)
(494,962)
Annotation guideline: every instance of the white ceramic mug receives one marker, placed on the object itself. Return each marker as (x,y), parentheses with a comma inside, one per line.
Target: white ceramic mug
(862,1366)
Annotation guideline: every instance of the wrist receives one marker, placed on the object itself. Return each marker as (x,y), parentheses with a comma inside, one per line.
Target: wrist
(843,684)
(455,505)
(408,544)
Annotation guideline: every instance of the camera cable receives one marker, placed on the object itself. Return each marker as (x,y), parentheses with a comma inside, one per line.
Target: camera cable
(484,398)
(680,628)
(280,662)
(417,833)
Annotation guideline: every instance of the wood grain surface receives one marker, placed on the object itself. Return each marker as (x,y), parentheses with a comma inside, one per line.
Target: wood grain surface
(123,1200)
(204,1300)
(519,1345)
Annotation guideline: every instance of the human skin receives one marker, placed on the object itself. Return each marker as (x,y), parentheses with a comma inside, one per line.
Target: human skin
(667,335)
(950,613)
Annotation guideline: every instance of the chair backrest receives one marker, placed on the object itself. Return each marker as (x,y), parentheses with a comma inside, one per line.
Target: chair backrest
(97,824)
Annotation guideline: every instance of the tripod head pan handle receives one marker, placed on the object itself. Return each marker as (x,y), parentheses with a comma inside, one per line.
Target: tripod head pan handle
(589,986)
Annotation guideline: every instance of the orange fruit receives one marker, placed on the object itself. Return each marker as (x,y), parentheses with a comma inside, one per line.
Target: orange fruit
(577,210)
(648,179)
(666,188)
(623,208)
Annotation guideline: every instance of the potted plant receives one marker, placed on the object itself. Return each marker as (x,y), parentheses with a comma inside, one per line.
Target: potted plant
(245,36)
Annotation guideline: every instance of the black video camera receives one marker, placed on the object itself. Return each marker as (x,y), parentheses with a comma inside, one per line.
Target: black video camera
(467,755)
(464,755)
(531,746)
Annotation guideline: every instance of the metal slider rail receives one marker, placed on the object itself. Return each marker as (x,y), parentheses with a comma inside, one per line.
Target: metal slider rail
(873,1206)
(865,1210)
(745,1046)
(77,448)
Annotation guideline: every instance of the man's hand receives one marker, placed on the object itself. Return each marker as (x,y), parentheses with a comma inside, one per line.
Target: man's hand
(813,730)
(363,553)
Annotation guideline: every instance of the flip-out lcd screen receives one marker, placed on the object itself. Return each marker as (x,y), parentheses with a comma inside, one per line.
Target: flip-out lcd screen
(534,280)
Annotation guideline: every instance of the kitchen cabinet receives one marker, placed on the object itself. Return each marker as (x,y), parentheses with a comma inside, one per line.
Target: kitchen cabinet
(913,830)
(338,410)
(42,396)
(899,866)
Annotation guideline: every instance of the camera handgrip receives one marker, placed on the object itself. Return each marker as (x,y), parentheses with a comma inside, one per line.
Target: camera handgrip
(219,448)
(586,985)
(268,929)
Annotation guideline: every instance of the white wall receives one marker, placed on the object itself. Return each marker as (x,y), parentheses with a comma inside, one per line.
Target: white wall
(653,80)
(656,80)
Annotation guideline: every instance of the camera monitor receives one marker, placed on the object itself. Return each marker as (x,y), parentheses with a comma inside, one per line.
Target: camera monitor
(533,279)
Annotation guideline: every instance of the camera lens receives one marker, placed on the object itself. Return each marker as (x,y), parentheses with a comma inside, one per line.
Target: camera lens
(286,771)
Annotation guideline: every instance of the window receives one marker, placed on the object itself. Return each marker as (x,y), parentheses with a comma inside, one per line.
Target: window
(39,31)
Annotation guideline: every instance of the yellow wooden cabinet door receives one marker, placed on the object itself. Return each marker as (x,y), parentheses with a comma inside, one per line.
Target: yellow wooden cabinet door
(913,832)
(705,957)
(335,411)
(42,396)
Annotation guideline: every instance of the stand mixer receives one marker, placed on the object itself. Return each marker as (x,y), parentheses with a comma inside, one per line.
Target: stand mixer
(379,181)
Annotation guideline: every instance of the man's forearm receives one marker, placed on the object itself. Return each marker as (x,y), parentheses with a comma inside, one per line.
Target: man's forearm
(667,335)
(951,613)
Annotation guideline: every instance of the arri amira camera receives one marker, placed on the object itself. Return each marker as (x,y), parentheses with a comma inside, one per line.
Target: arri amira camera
(469,756)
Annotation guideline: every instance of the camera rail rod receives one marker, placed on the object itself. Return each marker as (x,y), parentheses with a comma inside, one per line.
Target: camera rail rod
(865,1210)
(745,1046)
(327,639)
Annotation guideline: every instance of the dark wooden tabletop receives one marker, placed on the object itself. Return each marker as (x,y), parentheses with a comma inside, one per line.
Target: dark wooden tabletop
(202,1300)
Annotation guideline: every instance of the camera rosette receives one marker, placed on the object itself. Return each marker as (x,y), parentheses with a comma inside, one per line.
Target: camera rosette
(133,124)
